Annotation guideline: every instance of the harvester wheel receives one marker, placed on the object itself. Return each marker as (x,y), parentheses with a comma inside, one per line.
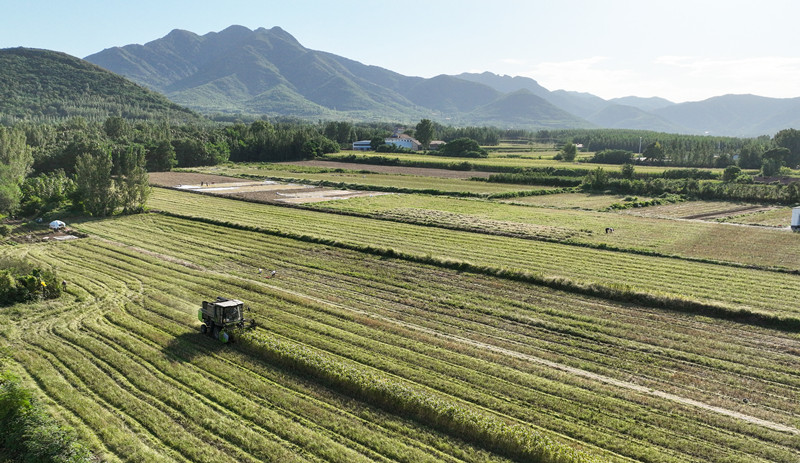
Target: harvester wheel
(204,329)
(215,334)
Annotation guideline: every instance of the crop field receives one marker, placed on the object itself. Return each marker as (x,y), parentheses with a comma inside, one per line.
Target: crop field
(772,217)
(585,201)
(121,358)
(675,281)
(496,160)
(367,180)
(703,210)
(430,172)
(695,239)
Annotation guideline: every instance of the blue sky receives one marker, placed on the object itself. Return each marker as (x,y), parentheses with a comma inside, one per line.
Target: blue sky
(680,50)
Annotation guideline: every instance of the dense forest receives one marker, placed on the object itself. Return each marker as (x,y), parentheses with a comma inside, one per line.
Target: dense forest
(100,168)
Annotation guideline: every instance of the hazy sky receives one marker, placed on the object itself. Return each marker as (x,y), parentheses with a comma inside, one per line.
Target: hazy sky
(680,50)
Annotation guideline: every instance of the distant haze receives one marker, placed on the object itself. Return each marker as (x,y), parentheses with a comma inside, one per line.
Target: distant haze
(679,50)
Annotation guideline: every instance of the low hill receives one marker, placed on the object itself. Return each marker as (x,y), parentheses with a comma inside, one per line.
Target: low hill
(46,85)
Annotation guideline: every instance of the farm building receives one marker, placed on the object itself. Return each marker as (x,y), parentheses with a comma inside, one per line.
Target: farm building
(362,145)
(404,141)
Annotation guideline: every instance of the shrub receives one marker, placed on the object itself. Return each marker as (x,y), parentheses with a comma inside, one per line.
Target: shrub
(463,148)
(731,173)
(612,157)
(28,434)
(20,281)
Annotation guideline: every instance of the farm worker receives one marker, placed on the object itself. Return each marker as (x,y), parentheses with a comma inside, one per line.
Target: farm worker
(64,284)
(259,271)
(272,274)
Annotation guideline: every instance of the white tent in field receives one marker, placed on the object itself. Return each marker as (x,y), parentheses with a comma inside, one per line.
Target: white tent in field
(57,225)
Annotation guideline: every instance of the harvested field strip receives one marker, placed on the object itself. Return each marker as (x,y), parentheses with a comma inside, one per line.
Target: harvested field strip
(739,292)
(666,351)
(118,357)
(743,246)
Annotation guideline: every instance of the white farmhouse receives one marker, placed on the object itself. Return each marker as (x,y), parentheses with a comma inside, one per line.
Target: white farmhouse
(404,141)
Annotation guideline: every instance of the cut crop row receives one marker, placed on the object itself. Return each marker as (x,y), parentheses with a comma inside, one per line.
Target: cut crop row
(720,290)
(419,289)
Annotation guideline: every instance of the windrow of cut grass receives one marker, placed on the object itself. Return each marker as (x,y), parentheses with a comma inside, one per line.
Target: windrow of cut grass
(473,338)
(129,370)
(748,295)
(398,396)
(496,162)
(744,246)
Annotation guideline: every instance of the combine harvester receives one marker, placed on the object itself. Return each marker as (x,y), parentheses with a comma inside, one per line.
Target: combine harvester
(222,318)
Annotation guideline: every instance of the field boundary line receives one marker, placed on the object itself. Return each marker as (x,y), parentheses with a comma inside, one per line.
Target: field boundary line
(555,365)
(670,301)
(478,231)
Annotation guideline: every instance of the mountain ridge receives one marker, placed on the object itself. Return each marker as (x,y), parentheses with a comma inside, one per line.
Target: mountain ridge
(45,84)
(268,71)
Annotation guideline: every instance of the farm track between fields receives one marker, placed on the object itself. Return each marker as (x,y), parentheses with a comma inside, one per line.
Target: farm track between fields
(749,293)
(217,248)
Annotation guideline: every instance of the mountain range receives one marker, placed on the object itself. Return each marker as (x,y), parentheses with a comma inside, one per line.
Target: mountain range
(268,72)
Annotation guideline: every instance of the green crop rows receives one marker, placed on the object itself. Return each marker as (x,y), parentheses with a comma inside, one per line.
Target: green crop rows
(672,282)
(753,246)
(123,361)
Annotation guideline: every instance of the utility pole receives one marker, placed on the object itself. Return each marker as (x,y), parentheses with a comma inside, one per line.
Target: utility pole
(640,146)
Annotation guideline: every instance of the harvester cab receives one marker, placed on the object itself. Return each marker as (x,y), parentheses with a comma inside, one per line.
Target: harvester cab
(222,318)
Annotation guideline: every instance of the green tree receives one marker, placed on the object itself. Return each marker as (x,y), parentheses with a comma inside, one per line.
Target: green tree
(654,152)
(569,151)
(596,179)
(463,147)
(750,156)
(731,173)
(131,182)
(628,171)
(116,128)
(772,161)
(16,159)
(790,139)
(161,157)
(94,186)
(425,132)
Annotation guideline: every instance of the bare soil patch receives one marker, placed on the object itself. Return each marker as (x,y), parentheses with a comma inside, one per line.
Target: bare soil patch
(175,179)
(252,190)
(421,171)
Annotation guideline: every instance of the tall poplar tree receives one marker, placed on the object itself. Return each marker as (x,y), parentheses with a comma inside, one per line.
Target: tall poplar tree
(16,159)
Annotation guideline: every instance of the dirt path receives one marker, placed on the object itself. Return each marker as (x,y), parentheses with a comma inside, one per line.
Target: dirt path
(557,366)
(421,171)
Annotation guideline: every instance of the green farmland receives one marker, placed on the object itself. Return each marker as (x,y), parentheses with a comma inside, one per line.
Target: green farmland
(414,328)
(690,239)
(371,181)
(495,161)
